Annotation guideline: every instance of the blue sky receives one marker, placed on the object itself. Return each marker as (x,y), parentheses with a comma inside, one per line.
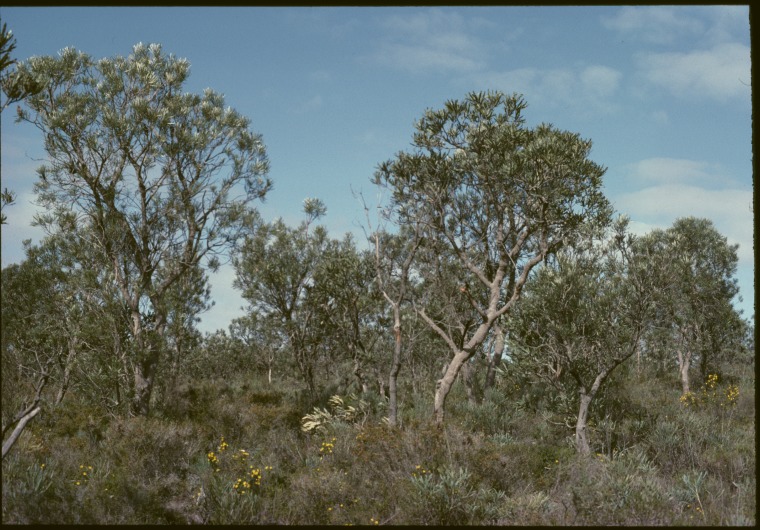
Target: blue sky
(663,92)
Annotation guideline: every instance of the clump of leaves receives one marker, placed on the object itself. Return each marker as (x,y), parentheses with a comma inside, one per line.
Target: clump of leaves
(348,410)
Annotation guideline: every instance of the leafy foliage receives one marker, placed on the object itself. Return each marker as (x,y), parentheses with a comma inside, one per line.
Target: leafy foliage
(282,418)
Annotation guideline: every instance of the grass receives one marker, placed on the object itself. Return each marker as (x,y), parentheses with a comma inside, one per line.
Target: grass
(233,452)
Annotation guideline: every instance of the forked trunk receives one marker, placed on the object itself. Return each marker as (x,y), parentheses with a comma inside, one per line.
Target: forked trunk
(144,378)
(581,434)
(498,351)
(444,384)
(470,384)
(148,352)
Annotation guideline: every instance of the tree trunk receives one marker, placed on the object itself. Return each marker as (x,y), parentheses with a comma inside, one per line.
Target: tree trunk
(684,362)
(496,358)
(395,368)
(145,371)
(470,384)
(68,366)
(18,430)
(444,384)
(148,356)
(581,435)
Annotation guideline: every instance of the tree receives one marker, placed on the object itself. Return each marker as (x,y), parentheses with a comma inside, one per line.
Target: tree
(394,255)
(347,305)
(583,317)
(16,88)
(497,198)
(275,269)
(697,286)
(164,178)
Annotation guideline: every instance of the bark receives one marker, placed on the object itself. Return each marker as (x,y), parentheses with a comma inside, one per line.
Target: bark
(444,384)
(581,435)
(395,368)
(684,362)
(23,417)
(470,384)
(72,346)
(496,358)
(148,351)
(18,430)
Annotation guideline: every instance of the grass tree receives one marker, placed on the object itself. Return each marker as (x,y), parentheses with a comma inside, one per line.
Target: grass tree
(497,197)
(164,177)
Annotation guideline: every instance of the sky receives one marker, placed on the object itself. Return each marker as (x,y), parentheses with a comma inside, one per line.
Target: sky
(663,92)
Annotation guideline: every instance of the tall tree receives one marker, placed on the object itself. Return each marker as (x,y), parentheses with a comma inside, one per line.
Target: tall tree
(15,88)
(697,285)
(275,269)
(583,317)
(348,305)
(394,256)
(165,178)
(495,196)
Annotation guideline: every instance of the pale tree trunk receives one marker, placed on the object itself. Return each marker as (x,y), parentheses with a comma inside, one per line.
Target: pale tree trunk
(444,384)
(495,360)
(581,435)
(19,429)
(148,356)
(684,363)
(470,383)
(68,366)
(395,368)
(24,417)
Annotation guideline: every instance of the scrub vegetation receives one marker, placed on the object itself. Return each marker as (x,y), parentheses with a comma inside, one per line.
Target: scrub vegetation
(501,349)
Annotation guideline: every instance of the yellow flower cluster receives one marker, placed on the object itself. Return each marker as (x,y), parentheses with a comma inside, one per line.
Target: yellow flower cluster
(213,460)
(688,398)
(709,393)
(251,476)
(242,454)
(242,486)
(732,394)
(83,477)
(419,471)
(327,447)
(697,509)
(372,520)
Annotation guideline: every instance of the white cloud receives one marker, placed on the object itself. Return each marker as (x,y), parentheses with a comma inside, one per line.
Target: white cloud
(589,89)
(662,25)
(729,209)
(600,81)
(721,73)
(655,24)
(676,170)
(431,41)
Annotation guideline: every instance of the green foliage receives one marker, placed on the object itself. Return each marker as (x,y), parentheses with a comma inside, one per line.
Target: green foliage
(449,498)
(234,437)
(340,410)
